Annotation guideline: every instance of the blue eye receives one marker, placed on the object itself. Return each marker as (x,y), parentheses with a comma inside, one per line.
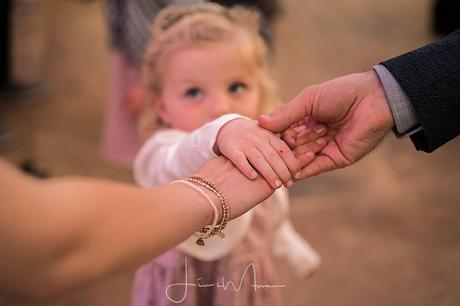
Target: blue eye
(237,87)
(193,93)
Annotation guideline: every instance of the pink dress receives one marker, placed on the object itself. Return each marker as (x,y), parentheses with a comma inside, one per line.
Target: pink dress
(251,263)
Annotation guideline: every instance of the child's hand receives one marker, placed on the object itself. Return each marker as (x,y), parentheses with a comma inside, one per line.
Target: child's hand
(252,148)
(306,139)
(302,129)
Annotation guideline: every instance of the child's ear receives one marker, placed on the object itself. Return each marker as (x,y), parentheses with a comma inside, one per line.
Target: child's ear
(161,111)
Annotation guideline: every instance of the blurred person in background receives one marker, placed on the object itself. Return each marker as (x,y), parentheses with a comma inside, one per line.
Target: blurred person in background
(270,10)
(9,86)
(129,24)
(208,77)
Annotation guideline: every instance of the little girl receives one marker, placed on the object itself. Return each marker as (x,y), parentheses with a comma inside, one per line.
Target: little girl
(207,74)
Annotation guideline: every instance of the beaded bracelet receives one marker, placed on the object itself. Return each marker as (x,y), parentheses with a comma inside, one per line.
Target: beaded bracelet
(207,232)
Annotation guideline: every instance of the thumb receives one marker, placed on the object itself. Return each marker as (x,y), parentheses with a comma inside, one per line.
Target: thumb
(286,115)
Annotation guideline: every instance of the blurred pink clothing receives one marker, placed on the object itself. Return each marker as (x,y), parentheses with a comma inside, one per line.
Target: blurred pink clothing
(121,140)
(250,263)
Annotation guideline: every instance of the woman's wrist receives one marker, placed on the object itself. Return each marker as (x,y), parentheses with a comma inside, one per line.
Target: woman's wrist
(216,203)
(216,228)
(207,212)
(201,185)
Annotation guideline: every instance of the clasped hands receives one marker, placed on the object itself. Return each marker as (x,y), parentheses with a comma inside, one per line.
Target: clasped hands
(327,126)
(277,158)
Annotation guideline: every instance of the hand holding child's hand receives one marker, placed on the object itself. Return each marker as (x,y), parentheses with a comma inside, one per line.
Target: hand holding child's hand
(252,148)
(306,139)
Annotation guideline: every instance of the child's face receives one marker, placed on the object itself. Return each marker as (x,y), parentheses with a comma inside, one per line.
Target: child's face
(202,82)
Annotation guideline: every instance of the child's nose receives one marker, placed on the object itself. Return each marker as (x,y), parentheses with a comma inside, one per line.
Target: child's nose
(221,106)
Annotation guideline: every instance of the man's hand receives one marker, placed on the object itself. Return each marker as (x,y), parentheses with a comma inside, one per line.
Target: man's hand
(355,111)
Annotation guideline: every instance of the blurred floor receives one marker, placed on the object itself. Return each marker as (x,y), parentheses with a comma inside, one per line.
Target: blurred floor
(386,228)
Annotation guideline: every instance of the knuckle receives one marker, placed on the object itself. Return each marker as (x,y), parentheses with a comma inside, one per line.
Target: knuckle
(273,158)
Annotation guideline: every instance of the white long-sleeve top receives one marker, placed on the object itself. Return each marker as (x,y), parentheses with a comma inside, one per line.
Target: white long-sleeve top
(173,154)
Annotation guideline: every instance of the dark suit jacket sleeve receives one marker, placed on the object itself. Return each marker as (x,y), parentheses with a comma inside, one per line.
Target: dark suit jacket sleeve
(430,76)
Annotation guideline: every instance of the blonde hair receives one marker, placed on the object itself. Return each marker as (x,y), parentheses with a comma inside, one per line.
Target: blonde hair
(179,25)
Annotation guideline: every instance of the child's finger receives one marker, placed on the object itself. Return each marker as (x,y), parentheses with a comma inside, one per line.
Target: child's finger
(289,137)
(258,161)
(240,161)
(310,134)
(277,163)
(305,159)
(313,146)
(287,155)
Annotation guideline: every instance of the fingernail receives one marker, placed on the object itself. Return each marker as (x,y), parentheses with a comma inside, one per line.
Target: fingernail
(300,128)
(310,154)
(298,175)
(318,129)
(253,175)
(320,141)
(289,184)
(278,184)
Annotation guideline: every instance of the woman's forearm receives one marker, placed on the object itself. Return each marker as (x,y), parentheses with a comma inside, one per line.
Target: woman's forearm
(56,235)
(67,232)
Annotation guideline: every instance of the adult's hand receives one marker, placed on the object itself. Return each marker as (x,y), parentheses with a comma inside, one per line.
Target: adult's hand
(353,107)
